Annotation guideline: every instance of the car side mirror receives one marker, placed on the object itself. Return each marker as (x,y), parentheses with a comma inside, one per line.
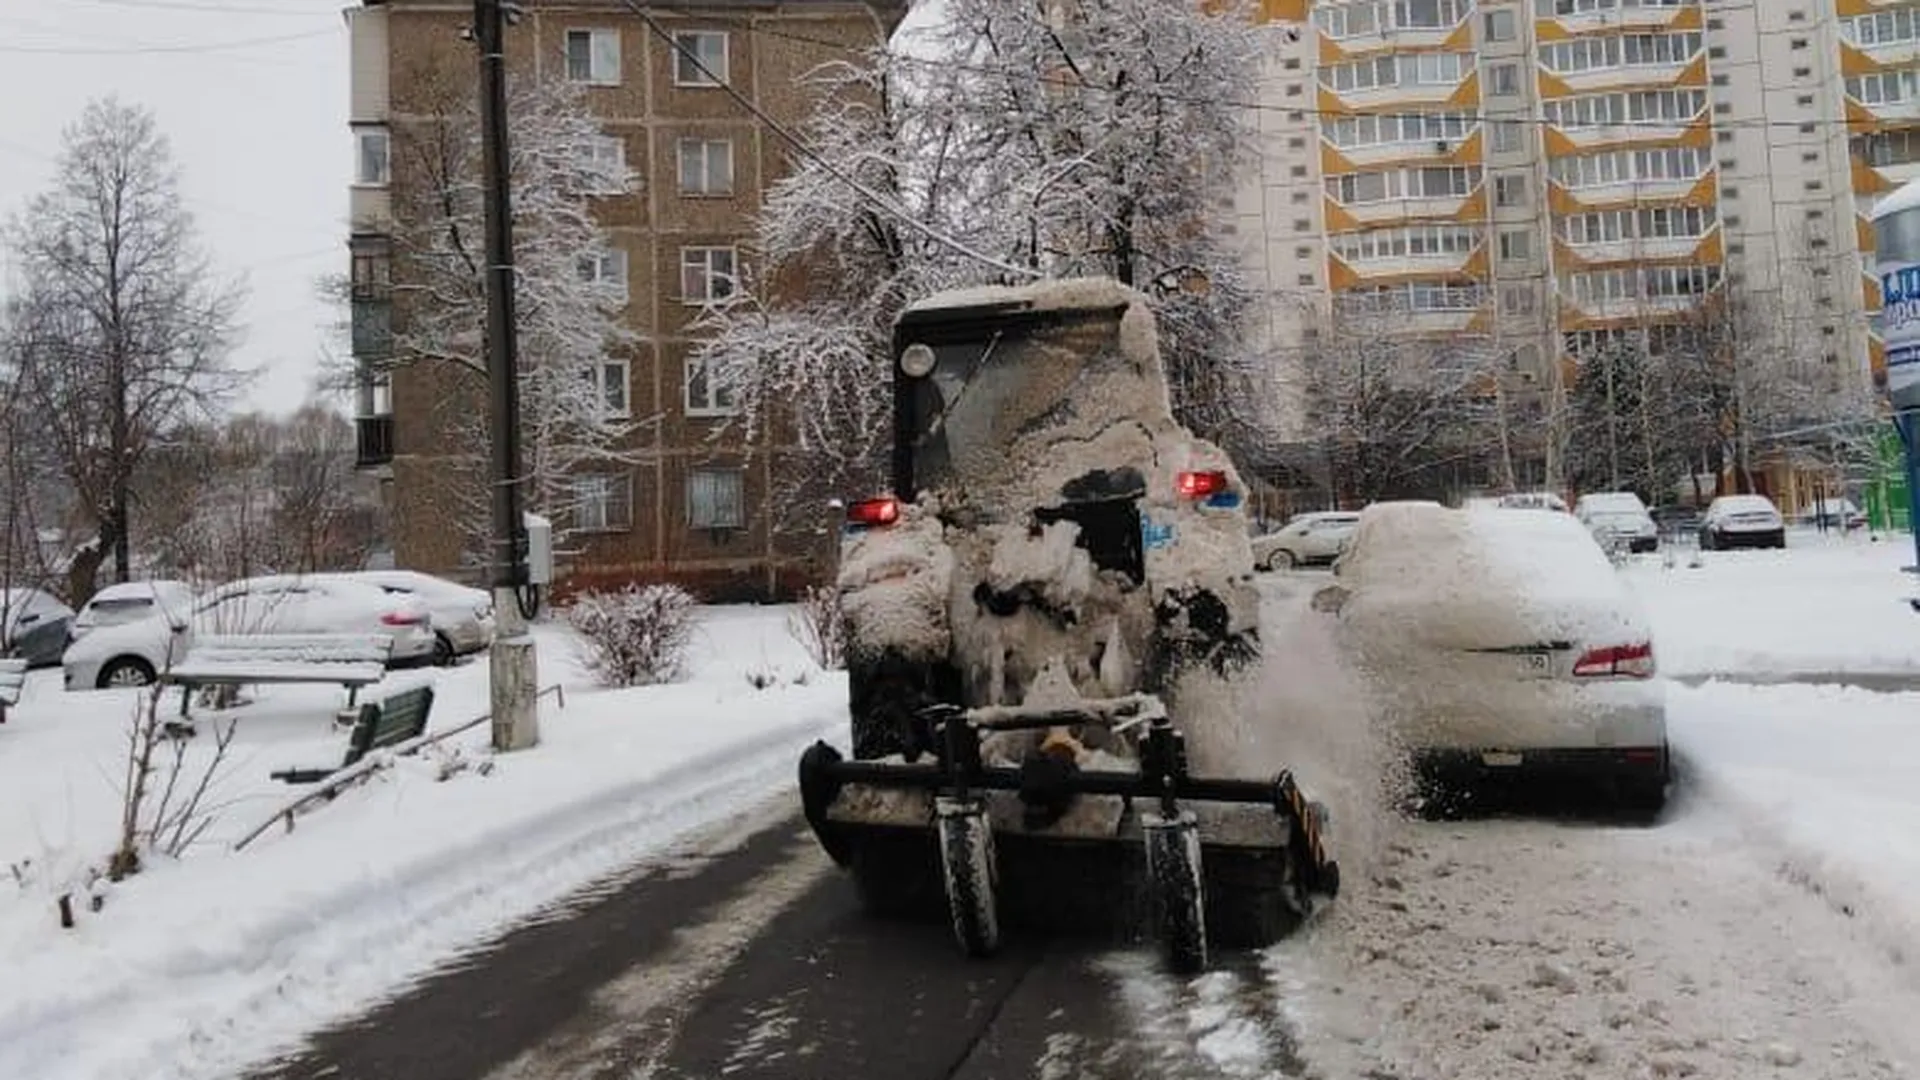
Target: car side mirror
(1331,599)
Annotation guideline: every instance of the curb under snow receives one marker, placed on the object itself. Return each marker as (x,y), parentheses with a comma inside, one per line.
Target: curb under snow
(382,932)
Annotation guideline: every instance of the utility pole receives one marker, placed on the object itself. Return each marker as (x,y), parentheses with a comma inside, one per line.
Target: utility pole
(513,669)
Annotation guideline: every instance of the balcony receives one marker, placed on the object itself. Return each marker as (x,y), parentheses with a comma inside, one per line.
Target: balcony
(1580,16)
(373,441)
(372,329)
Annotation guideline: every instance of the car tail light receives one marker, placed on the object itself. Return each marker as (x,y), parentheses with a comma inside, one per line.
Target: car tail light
(870,513)
(402,618)
(1199,485)
(1635,661)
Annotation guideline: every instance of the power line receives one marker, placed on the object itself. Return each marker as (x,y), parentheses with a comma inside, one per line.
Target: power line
(806,150)
(1068,83)
(210,8)
(153,50)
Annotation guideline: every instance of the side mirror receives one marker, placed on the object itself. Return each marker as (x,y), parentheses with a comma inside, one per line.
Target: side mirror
(1331,598)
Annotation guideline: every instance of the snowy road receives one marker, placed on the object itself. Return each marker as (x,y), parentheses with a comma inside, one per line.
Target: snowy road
(1491,949)
(1761,929)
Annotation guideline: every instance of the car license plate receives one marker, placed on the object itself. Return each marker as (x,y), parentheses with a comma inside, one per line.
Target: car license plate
(1500,759)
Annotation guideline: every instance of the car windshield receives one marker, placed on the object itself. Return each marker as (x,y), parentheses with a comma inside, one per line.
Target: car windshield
(116,610)
(1001,399)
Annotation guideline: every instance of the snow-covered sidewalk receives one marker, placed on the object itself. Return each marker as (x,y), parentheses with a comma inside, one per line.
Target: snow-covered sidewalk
(1825,604)
(196,966)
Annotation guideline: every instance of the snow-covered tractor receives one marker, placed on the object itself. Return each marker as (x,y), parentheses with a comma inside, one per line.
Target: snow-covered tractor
(1046,620)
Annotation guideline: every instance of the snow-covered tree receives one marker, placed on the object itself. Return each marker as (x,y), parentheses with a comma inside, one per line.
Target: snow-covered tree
(1051,141)
(119,331)
(1396,415)
(570,288)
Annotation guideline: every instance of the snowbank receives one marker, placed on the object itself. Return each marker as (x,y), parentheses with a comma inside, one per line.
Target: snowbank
(196,966)
(1820,605)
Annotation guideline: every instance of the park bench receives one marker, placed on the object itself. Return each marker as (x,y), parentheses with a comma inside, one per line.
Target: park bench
(396,720)
(13,681)
(349,660)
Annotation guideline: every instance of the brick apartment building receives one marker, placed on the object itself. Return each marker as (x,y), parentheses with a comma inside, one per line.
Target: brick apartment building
(691,509)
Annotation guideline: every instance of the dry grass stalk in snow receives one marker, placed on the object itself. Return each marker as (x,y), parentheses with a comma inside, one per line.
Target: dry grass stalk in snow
(163,796)
(816,623)
(637,636)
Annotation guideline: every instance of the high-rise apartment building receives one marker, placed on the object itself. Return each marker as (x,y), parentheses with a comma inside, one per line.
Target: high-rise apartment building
(689,501)
(1541,175)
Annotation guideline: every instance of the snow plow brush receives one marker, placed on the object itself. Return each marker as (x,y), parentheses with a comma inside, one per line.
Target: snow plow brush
(1051,845)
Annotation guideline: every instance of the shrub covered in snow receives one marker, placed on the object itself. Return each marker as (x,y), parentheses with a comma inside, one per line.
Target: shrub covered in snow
(817,624)
(636,636)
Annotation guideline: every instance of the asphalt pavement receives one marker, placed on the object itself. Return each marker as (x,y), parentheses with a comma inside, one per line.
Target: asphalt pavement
(743,955)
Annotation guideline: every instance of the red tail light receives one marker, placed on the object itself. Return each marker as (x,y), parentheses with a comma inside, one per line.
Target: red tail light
(874,512)
(1199,485)
(401,618)
(1635,661)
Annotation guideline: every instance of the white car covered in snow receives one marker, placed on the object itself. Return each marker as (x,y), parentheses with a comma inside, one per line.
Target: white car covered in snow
(1502,642)
(462,617)
(135,653)
(1618,517)
(131,601)
(1306,540)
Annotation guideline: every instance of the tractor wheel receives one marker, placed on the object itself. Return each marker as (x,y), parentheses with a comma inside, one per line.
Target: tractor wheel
(967,863)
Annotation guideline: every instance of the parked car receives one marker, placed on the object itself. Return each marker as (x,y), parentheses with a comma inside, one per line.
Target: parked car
(1312,539)
(1618,517)
(1836,513)
(134,653)
(1533,500)
(462,617)
(130,601)
(36,624)
(1502,644)
(1735,521)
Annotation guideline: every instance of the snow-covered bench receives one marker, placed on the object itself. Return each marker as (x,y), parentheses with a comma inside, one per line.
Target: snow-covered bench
(349,660)
(13,680)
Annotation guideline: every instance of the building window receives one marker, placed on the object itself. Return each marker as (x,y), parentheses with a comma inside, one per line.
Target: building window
(1810,156)
(716,499)
(709,48)
(706,166)
(1510,190)
(1516,299)
(372,156)
(593,56)
(1299,196)
(1296,143)
(1292,63)
(1505,79)
(602,502)
(606,268)
(1723,136)
(707,393)
(1515,245)
(1294,89)
(1816,185)
(1803,73)
(610,380)
(1508,135)
(605,165)
(1301,224)
(372,275)
(1297,171)
(1805,101)
(1499,25)
(1304,279)
(707,274)
(1799,43)
(1716,52)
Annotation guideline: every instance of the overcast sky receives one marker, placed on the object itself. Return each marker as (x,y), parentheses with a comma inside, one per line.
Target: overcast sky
(253,96)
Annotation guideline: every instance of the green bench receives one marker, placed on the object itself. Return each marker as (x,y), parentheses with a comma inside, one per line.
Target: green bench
(396,720)
(13,682)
